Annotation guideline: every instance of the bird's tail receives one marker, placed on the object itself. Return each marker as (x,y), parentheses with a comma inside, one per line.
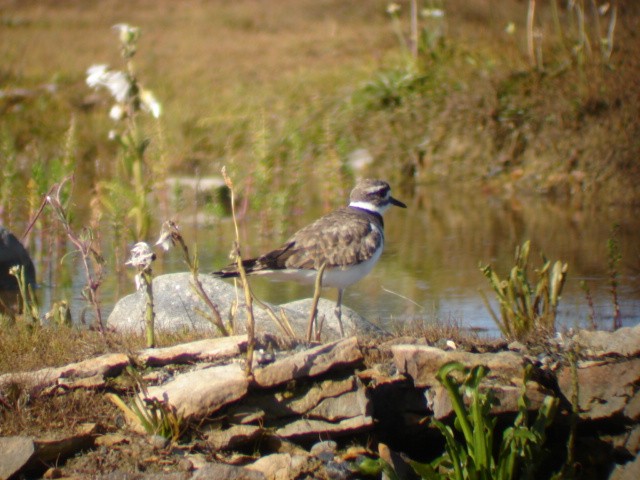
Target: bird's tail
(231,270)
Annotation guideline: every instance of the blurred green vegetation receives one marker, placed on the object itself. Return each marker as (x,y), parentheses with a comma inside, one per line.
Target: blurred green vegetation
(285,92)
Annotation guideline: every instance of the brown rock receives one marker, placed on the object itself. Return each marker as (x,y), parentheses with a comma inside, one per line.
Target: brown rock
(89,383)
(623,342)
(628,471)
(280,445)
(24,453)
(233,437)
(398,464)
(283,404)
(226,472)
(348,405)
(309,429)
(507,396)
(198,393)
(52,473)
(107,365)
(421,363)
(632,410)
(273,467)
(309,363)
(246,414)
(326,389)
(53,449)
(111,439)
(15,453)
(604,388)
(207,350)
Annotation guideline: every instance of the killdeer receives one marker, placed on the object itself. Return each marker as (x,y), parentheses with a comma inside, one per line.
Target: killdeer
(348,241)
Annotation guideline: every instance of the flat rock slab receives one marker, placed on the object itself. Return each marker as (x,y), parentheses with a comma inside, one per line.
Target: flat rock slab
(227,472)
(198,393)
(108,365)
(308,429)
(310,363)
(421,363)
(26,454)
(15,453)
(604,388)
(208,350)
(234,437)
(507,397)
(276,405)
(279,466)
(176,305)
(623,342)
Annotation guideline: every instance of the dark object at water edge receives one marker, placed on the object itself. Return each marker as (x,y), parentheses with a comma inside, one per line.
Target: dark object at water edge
(12,253)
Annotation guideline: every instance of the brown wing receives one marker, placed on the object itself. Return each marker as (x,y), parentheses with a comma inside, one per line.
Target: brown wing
(343,237)
(340,238)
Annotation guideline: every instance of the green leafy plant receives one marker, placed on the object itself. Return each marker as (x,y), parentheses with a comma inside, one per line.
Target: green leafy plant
(476,457)
(526,306)
(156,417)
(29,302)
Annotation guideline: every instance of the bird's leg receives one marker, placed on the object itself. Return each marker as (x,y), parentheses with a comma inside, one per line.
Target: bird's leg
(338,311)
(313,316)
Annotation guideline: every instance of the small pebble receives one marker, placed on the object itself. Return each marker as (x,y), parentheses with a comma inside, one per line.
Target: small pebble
(158,441)
(323,448)
(185,465)
(337,471)
(53,473)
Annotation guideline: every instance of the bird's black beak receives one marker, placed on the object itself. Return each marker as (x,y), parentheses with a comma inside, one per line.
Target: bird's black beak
(397,202)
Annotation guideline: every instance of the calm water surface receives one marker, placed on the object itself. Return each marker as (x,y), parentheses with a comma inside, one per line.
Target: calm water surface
(429,270)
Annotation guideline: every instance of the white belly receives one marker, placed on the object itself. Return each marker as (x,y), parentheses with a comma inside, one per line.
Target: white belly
(335,278)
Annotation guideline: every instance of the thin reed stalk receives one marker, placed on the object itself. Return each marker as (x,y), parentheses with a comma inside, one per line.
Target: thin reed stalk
(92,260)
(313,314)
(248,298)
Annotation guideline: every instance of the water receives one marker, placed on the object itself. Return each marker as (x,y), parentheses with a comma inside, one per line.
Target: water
(430,268)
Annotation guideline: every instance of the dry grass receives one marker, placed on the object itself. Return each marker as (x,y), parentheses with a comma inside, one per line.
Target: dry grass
(59,414)
(30,347)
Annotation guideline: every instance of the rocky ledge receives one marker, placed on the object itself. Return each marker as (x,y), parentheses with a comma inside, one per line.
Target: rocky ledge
(306,408)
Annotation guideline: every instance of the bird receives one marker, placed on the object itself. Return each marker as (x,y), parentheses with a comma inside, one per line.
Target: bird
(347,241)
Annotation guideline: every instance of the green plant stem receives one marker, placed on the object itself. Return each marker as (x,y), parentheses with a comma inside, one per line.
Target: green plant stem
(248,299)
(149,314)
(199,288)
(243,277)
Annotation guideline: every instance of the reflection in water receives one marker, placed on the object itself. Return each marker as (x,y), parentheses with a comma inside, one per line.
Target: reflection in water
(429,270)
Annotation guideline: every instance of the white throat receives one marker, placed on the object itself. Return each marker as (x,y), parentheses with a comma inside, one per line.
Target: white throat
(380,209)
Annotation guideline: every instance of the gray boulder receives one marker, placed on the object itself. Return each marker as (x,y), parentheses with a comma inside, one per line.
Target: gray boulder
(177,307)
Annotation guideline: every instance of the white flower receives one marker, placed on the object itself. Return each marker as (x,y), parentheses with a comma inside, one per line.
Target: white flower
(510,28)
(117,112)
(141,256)
(126,32)
(115,81)
(95,73)
(393,8)
(165,241)
(150,103)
